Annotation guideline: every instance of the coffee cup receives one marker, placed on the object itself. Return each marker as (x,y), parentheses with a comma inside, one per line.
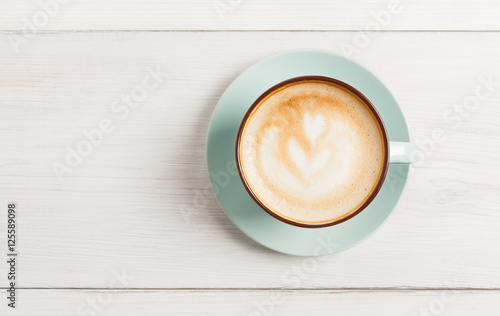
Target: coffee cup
(313,151)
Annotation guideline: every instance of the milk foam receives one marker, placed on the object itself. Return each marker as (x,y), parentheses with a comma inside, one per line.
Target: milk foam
(312,152)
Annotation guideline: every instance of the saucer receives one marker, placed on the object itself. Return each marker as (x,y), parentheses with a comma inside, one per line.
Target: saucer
(243,211)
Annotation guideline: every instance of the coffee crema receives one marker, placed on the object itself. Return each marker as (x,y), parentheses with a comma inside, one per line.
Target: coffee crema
(312,152)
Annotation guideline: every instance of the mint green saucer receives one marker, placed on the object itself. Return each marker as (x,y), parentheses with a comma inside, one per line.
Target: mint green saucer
(221,142)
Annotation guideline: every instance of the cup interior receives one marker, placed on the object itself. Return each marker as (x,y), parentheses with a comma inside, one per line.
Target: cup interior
(369,105)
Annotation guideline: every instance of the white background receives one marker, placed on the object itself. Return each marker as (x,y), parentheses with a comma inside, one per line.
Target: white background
(119,211)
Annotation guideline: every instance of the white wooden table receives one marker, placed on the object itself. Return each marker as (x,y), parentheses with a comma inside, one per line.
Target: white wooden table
(118,212)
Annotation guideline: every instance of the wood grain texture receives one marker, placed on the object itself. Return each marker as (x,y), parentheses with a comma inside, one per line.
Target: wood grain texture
(119,210)
(252,303)
(251,15)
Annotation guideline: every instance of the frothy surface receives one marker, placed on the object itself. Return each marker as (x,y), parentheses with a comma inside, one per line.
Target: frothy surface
(312,151)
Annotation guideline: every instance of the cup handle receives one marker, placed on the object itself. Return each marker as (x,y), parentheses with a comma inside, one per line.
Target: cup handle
(401,152)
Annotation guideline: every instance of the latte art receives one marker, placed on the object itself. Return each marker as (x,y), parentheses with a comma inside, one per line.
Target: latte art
(312,152)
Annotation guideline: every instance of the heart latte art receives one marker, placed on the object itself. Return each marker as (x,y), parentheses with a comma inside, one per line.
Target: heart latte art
(312,152)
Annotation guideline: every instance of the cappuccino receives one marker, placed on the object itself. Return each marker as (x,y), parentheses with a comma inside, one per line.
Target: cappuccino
(312,152)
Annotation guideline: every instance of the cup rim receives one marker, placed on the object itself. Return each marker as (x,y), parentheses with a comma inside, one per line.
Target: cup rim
(370,105)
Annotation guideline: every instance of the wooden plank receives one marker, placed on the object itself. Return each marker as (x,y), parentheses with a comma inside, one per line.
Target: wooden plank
(119,210)
(250,15)
(387,303)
